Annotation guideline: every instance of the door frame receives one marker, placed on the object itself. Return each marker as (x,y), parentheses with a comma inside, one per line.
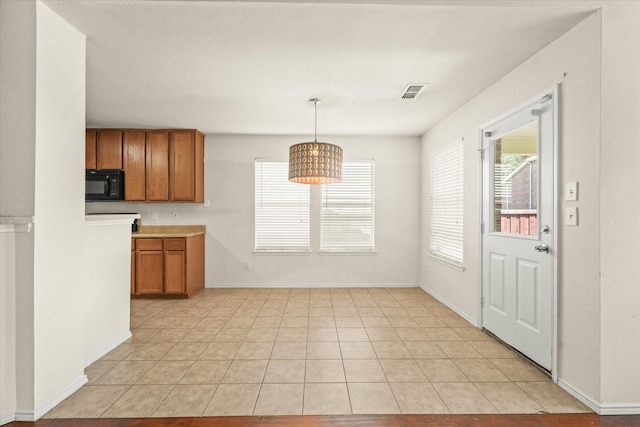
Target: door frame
(553,92)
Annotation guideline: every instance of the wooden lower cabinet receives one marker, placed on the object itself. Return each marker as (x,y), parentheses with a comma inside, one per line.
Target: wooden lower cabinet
(174,272)
(149,280)
(169,266)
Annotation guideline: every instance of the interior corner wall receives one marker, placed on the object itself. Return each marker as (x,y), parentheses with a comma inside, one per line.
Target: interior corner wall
(620,208)
(572,62)
(59,210)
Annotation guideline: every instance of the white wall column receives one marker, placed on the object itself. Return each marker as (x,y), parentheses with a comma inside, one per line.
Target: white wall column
(620,209)
(42,162)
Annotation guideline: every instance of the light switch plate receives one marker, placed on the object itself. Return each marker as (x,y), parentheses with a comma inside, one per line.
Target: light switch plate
(571,191)
(571,215)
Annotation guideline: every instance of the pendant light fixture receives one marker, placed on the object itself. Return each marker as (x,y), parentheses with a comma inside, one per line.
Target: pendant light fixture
(315,162)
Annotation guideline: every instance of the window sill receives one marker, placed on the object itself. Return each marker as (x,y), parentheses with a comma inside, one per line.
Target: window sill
(277,252)
(347,252)
(446,261)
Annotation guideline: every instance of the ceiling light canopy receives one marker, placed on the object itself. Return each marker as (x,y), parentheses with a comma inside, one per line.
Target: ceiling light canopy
(315,162)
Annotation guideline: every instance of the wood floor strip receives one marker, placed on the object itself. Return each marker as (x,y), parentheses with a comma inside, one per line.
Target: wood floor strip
(546,420)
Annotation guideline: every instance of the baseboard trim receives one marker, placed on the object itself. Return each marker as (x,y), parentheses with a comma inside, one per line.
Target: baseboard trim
(580,396)
(7,418)
(28,416)
(633,409)
(601,409)
(459,312)
(68,391)
(32,416)
(107,349)
(315,285)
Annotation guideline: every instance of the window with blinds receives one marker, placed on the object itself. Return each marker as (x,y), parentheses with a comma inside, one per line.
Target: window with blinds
(282,209)
(445,190)
(347,212)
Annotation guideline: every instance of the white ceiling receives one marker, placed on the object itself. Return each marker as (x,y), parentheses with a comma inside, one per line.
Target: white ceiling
(250,67)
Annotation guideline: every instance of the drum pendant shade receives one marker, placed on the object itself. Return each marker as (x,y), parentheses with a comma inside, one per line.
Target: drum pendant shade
(315,162)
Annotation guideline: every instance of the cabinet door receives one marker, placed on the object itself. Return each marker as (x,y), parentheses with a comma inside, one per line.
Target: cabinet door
(182,166)
(149,272)
(109,149)
(157,180)
(133,162)
(90,150)
(174,272)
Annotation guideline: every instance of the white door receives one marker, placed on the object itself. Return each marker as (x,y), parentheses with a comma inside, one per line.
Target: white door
(518,229)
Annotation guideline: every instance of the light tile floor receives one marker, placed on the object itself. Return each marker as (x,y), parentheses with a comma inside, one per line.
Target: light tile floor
(308,351)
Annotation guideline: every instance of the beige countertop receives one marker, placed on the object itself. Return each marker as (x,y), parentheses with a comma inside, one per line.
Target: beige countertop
(159,231)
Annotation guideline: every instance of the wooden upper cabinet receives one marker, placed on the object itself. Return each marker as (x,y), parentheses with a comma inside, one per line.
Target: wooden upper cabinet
(133,163)
(157,166)
(90,149)
(182,166)
(186,170)
(109,149)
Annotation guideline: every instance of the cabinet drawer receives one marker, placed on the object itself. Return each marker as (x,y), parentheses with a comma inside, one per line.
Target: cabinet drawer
(133,244)
(149,244)
(174,244)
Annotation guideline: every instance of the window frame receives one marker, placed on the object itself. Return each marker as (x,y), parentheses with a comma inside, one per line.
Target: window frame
(366,219)
(279,183)
(446,231)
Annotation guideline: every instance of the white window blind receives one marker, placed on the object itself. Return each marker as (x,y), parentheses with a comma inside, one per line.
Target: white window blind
(347,213)
(282,209)
(446,180)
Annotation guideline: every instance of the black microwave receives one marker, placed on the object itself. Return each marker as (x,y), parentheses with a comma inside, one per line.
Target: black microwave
(104,185)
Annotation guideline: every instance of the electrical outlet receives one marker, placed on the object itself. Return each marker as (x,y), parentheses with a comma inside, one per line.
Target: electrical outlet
(207,203)
(247,265)
(176,215)
(154,215)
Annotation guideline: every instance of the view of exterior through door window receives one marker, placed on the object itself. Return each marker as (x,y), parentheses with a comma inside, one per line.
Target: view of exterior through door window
(516,181)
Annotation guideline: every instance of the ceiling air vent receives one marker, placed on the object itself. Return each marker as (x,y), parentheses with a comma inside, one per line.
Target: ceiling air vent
(413,90)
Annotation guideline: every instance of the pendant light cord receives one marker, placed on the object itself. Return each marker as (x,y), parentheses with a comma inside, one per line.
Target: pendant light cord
(315,130)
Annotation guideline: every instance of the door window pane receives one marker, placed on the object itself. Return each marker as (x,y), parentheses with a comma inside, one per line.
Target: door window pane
(515,181)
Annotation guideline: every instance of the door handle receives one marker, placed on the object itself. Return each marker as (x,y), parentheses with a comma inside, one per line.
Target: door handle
(542,248)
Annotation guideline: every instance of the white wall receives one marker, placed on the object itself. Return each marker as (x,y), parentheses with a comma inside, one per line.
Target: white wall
(43,103)
(620,208)
(8,398)
(17,106)
(17,181)
(577,54)
(59,209)
(598,322)
(229,176)
(106,290)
